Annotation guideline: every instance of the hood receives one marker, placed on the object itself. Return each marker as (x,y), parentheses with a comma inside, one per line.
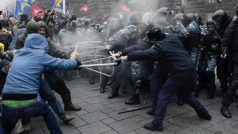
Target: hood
(36,41)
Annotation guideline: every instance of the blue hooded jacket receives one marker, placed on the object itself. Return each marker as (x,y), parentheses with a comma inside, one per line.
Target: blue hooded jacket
(29,64)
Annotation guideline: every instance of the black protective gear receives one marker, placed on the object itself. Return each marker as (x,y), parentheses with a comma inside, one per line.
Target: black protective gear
(135,17)
(118,61)
(164,11)
(155,34)
(222,20)
(153,127)
(134,100)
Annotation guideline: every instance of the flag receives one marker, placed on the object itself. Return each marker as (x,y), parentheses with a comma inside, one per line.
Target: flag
(58,6)
(22,7)
(37,11)
(124,6)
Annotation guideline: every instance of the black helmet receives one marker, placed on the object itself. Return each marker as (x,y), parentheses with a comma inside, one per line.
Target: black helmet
(155,34)
(73,25)
(164,11)
(73,17)
(135,17)
(220,16)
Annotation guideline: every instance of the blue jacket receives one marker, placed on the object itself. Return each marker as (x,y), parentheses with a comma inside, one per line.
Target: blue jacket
(28,65)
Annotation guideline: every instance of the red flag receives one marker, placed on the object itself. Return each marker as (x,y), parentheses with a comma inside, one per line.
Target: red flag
(37,11)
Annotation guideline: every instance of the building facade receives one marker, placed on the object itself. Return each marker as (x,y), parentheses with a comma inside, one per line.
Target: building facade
(101,9)
(202,7)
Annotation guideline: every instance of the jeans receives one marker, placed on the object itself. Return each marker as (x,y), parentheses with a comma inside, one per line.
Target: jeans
(184,86)
(10,116)
(47,94)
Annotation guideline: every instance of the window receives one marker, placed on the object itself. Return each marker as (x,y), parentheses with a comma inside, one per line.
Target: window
(184,2)
(211,1)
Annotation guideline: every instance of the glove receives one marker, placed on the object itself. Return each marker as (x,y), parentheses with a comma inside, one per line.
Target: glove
(118,61)
(78,65)
(224,53)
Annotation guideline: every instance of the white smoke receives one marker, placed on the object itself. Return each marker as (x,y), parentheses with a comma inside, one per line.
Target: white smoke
(7,4)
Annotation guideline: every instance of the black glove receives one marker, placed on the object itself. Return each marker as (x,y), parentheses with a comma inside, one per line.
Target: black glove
(118,61)
(78,65)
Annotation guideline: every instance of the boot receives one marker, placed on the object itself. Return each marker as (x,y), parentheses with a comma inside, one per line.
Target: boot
(134,100)
(91,81)
(67,118)
(112,95)
(180,102)
(225,112)
(151,112)
(153,127)
(27,128)
(102,90)
(68,105)
(205,116)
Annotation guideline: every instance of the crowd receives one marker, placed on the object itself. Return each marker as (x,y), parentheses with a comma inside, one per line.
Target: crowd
(163,52)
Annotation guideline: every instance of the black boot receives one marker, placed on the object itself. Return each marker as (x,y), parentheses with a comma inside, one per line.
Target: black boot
(180,102)
(153,127)
(91,81)
(102,90)
(151,112)
(112,95)
(134,100)
(68,105)
(205,116)
(225,112)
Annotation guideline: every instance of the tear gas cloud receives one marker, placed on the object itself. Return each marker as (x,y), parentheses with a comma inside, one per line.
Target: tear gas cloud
(7,4)
(115,22)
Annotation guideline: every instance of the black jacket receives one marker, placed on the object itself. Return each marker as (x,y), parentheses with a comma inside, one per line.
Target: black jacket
(229,41)
(168,52)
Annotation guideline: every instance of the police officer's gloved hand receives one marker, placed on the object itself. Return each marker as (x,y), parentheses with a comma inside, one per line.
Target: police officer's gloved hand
(224,53)
(78,65)
(118,61)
